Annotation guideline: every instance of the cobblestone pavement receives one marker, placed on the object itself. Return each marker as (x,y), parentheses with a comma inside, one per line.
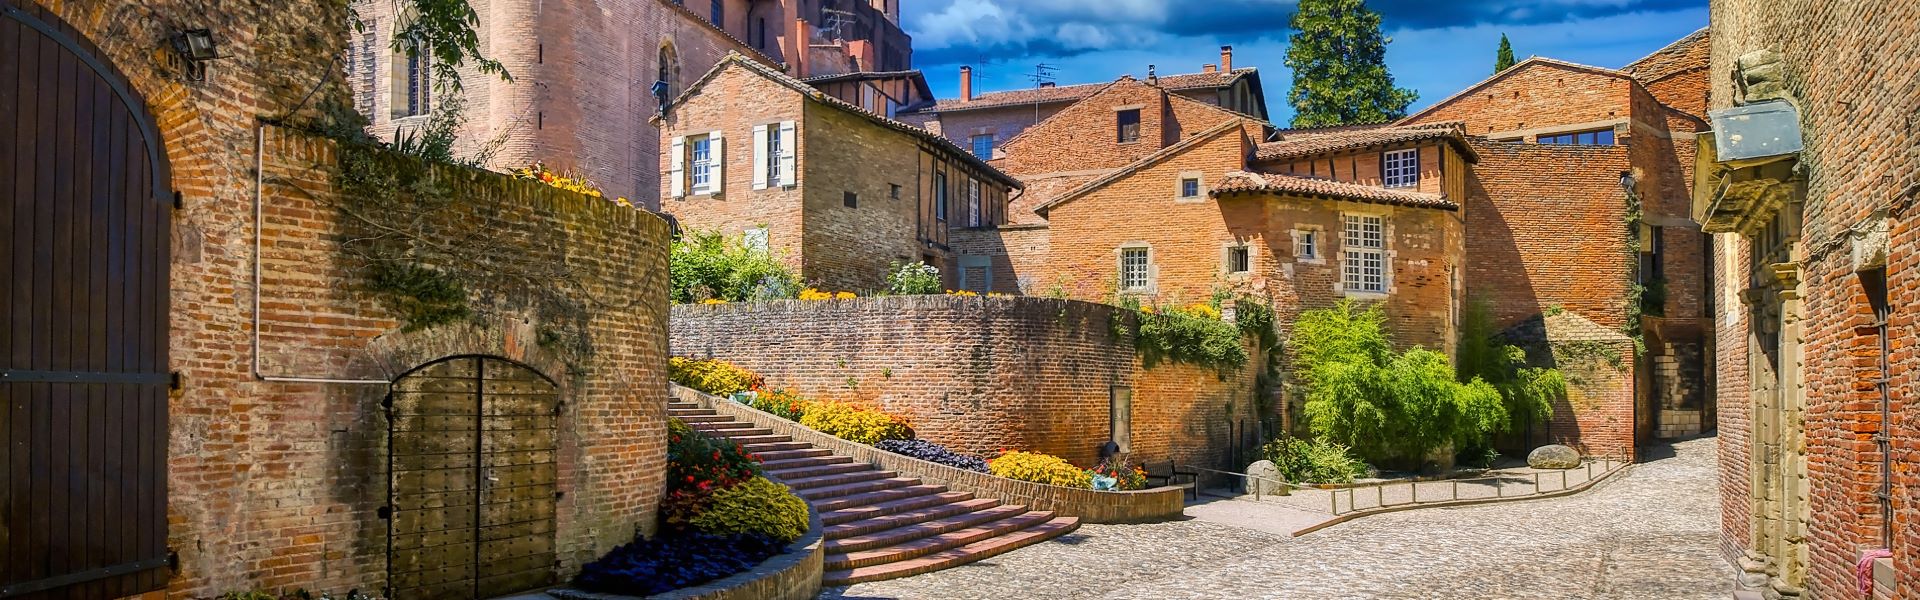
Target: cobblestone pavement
(1647,534)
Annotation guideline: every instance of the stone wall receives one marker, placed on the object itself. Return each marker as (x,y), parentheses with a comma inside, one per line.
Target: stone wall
(1840,64)
(980,374)
(275,476)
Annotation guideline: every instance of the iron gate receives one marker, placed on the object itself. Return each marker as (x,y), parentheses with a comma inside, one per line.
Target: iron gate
(472,486)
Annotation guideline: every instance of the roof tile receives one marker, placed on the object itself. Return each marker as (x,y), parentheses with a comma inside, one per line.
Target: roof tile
(1308,142)
(1244,181)
(1069,93)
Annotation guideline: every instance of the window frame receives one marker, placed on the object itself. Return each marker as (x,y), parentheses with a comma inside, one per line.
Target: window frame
(940,196)
(1573,138)
(1120,124)
(1145,268)
(973,145)
(1241,252)
(699,170)
(774,158)
(975,212)
(1307,244)
(1400,168)
(1356,254)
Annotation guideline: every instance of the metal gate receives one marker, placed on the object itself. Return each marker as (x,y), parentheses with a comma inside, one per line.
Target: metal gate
(472,479)
(85,226)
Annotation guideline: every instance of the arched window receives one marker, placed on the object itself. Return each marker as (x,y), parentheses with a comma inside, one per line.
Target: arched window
(669,69)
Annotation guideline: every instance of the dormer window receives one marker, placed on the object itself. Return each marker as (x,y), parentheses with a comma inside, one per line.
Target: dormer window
(1400,168)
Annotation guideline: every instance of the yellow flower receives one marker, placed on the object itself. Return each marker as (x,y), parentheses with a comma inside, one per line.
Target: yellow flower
(844,296)
(961,293)
(713,301)
(813,294)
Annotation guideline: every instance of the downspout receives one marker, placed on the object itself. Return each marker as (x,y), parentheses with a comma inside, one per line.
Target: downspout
(259,191)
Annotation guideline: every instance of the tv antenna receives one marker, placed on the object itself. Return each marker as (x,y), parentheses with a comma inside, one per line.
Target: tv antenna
(1041,77)
(837,20)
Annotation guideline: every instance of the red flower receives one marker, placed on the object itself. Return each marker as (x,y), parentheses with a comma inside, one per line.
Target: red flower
(689,479)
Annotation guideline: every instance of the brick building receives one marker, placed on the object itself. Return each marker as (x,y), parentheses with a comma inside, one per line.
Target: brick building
(837,190)
(984,122)
(207,392)
(1807,183)
(584,73)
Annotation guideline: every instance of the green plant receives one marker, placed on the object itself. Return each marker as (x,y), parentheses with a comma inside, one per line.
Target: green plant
(855,423)
(1255,319)
(1653,299)
(717,377)
(1387,406)
(698,466)
(1528,392)
(1183,337)
(423,297)
(1124,477)
(755,506)
(781,403)
(912,279)
(707,265)
(1314,461)
(1040,468)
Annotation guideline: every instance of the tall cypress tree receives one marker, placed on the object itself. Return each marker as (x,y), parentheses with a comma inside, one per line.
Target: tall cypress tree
(1338,57)
(1505,59)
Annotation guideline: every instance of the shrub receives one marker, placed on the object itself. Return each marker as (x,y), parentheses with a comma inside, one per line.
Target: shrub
(1528,392)
(854,423)
(1123,477)
(931,452)
(758,506)
(717,377)
(706,264)
(672,561)
(781,403)
(910,279)
(1040,468)
(1387,406)
(697,467)
(1183,337)
(1314,461)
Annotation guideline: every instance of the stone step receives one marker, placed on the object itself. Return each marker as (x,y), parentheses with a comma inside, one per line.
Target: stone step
(691,420)
(833,479)
(816,470)
(908,532)
(950,558)
(843,502)
(811,461)
(898,518)
(849,489)
(765,447)
(767,456)
(678,405)
(731,428)
(880,509)
(749,440)
(935,543)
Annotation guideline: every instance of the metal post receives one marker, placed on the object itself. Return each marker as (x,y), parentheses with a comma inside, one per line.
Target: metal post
(1379,497)
(1333,501)
(1563,481)
(1536,482)
(1456,489)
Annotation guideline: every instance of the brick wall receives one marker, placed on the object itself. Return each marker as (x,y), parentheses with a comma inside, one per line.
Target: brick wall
(979,374)
(733,102)
(1732,398)
(1839,62)
(1542,234)
(851,247)
(581,94)
(275,485)
(1018,255)
(1538,94)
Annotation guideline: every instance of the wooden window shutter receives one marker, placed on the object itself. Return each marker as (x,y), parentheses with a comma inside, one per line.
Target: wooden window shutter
(717,177)
(789,145)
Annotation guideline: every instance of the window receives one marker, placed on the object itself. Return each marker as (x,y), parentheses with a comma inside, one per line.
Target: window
(1134,266)
(762,24)
(1120,417)
(1189,187)
(851,199)
(983,146)
(973,203)
(701,155)
(755,239)
(1128,124)
(412,77)
(1239,258)
(940,196)
(776,148)
(663,79)
(1598,137)
(1400,168)
(1306,244)
(719,13)
(1365,245)
(893,191)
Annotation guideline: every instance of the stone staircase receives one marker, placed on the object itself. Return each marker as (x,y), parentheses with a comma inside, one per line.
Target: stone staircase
(879,524)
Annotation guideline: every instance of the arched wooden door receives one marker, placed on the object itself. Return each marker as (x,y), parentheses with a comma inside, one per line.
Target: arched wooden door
(85,217)
(472,480)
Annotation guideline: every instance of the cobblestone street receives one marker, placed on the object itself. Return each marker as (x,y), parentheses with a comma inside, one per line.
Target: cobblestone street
(1649,533)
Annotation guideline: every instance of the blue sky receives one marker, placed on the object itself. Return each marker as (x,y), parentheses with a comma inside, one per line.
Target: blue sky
(1439,46)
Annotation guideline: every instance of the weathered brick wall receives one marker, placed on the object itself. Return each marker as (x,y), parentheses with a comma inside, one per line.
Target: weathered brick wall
(580,98)
(1536,95)
(1540,234)
(733,102)
(851,247)
(979,374)
(1840,62)
(1085,135)
(1733,402)
(275,485)
(1363,166)
(1002,122)
(1018,254)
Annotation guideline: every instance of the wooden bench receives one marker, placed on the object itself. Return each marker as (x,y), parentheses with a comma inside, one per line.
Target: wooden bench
(1165,473)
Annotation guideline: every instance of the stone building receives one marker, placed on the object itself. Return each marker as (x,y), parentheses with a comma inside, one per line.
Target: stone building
(1807,183)
(984,122)
(588,76)
(838,191)
(209,393)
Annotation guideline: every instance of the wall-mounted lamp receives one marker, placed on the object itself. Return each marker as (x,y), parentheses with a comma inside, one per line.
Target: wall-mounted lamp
(196,47)
(1626,181)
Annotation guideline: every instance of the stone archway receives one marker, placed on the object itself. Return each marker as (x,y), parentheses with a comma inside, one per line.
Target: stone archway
(473,479)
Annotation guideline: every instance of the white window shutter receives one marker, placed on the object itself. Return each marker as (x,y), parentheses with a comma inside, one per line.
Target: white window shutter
(717,176)
(788,143)
(677,167)
(760,157)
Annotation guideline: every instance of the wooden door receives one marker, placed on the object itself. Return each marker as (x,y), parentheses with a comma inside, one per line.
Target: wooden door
(85,218)
(472,480)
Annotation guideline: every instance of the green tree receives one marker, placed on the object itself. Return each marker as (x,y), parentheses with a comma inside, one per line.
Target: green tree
(1338,57)
(1505,58)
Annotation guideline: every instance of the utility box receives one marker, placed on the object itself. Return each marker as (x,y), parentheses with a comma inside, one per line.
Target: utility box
(1757,133)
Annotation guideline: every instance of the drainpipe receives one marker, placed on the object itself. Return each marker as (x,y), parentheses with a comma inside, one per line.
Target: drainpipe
(259,190)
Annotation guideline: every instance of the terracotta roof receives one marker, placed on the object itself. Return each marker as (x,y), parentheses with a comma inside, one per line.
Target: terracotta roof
(1244,182)
(1070,93)
(1307,142)
(1149,160)
(827,99)
(1684,54)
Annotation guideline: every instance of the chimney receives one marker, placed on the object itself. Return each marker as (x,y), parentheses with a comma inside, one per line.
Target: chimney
(1226,58)
(801,42)
(1152,79)
(966,84)
(1207,69)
